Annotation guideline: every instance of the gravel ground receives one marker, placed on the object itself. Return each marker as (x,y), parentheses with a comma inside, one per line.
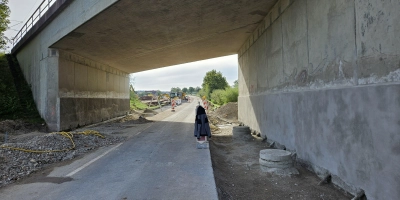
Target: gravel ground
(16,164)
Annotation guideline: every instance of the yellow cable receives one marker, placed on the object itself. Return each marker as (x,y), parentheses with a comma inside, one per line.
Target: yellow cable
(68,135)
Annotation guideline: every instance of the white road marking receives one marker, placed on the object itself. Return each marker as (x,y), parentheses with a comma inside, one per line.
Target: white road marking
(92,161)
(105,153)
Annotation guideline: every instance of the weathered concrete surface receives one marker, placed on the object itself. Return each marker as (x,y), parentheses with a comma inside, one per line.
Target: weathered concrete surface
(84,78)
(352,132)
(141,35)
(378,40)
(300,77)
(40,63)
(83,111)
(90,92)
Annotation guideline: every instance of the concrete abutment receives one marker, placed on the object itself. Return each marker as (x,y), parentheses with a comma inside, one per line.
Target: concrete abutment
(70,90)
(323,79)
(75,91)
(89,91)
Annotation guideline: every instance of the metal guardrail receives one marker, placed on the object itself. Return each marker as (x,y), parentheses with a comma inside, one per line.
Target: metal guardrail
(43,7)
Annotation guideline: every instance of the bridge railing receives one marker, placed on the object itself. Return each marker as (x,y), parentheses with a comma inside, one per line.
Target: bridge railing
(43,7)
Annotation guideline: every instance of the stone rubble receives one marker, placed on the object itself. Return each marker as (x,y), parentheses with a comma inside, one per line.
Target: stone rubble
(15,164)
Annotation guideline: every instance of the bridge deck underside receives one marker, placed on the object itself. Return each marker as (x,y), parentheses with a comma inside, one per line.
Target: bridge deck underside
(139,35)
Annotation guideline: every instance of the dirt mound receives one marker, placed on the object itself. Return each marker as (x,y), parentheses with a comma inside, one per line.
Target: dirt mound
(133,119)
(228,112)
(140,120)
(20,127)
(7,126)
(223,116)
(150,111)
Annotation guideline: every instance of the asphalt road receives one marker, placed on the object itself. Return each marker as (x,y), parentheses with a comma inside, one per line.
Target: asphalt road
(160,162)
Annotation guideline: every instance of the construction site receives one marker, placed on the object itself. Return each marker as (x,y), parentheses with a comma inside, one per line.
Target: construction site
(317,112)
(234,158)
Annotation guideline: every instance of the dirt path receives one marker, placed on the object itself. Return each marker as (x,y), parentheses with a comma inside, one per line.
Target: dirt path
(238,175)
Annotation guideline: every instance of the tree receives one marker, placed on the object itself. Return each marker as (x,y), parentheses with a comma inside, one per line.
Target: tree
(132,93)
(4,21)
(176,89)
(214,80)
(236,84)
(184,90)
(131,80)
(191,90)
(197,89)
(204,92)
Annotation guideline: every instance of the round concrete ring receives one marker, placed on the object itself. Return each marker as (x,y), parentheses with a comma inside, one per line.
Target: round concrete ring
(275,155)
(280,164)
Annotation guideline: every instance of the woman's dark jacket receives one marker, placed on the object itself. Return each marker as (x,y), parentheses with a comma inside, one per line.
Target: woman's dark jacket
(201,126)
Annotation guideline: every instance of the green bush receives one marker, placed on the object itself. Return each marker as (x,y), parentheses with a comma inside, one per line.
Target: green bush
(218,97)
(9,102)
(231,94)
(205,92)
(16,100)
(221,97)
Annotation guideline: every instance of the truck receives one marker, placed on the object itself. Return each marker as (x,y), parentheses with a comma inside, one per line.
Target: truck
(179,96)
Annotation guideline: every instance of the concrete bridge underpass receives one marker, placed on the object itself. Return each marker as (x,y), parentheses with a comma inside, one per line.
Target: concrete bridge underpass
(318,76)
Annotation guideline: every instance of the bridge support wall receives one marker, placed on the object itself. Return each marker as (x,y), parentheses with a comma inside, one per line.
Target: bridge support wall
(90,92)
(41,64)
(323,79)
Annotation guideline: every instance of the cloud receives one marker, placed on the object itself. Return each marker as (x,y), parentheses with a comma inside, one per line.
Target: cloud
(186,75)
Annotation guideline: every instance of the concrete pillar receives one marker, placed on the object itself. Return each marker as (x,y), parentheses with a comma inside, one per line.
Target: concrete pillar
(49,89)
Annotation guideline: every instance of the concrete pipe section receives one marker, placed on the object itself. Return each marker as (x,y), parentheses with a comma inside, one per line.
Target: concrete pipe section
(277,161)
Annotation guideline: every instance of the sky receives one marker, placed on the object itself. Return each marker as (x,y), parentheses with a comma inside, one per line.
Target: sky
(21,10)
(184,75)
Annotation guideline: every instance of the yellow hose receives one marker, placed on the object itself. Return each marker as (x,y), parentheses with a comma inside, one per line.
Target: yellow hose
(68,135)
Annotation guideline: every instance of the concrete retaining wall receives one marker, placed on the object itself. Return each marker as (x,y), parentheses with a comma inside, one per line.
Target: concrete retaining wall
(90,92)
(77,112)
(323,78)
(39,62)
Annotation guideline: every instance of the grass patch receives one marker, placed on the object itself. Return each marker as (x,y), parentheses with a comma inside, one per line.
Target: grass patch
(16,100)
(136,104)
